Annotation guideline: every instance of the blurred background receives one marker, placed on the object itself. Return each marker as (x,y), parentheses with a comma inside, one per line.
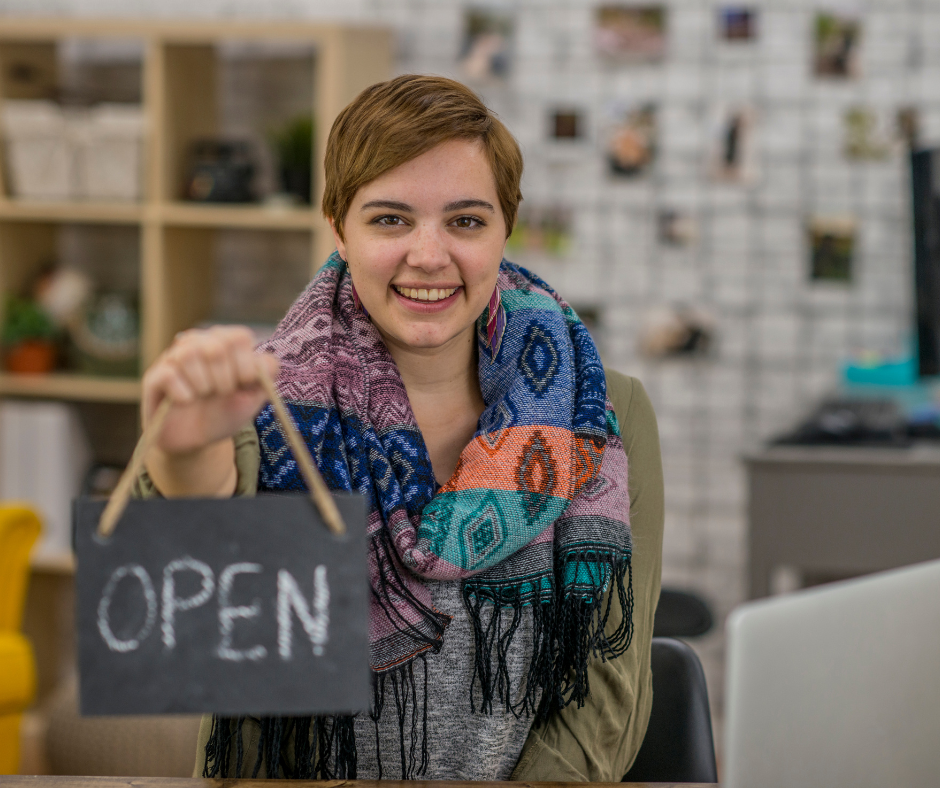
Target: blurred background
(726,193)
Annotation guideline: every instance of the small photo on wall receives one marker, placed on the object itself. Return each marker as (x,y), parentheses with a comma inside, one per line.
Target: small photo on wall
(676,228)
(541,230)
(867,137)
(487,42)
(733,155)
(737,23)
(630,144)
(832,248)
(630,33)
(874,135)
(566,124)
(837,37)
(676,330)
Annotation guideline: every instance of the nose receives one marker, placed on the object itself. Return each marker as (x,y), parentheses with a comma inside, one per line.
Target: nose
(428,250)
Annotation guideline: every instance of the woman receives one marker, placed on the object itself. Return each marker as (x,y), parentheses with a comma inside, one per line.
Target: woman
(467,402)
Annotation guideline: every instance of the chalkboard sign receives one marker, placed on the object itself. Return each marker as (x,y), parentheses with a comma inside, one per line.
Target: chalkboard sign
(239,606)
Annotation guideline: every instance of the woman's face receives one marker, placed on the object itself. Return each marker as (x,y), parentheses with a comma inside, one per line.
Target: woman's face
(423,243)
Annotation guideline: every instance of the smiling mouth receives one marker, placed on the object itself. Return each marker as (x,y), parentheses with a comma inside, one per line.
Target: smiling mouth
(427,295)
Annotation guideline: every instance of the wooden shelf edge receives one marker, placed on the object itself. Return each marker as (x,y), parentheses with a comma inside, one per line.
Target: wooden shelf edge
(68,386)
(80,212)
(256,217)
(180,214)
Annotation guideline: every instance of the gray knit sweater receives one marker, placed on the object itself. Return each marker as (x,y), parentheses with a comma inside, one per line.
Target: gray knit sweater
(462,745)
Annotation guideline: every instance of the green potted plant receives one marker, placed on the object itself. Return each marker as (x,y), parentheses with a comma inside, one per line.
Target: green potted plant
(293,144)
(29,337)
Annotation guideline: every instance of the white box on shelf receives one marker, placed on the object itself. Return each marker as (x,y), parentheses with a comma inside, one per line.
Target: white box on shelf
(72,153)
(39,150)
(110,152)
(44,457)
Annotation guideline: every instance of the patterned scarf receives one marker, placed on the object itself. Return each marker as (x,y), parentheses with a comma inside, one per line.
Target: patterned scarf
(534,518)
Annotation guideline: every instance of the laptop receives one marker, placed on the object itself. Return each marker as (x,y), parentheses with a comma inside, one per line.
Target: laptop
(837,686)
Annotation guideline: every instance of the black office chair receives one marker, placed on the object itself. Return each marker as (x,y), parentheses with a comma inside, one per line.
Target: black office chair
(678,746)
(681,614)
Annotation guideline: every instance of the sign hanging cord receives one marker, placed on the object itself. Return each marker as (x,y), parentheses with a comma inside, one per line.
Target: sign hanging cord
(319,492)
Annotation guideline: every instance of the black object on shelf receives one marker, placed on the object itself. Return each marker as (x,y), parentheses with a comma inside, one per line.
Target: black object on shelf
(851,422)
(924,430)
(681,614)
(221,171)
(297,182)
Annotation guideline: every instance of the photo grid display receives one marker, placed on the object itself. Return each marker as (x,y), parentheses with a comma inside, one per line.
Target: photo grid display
(764,201)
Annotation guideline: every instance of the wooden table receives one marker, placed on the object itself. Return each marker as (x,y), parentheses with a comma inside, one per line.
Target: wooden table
(174,782)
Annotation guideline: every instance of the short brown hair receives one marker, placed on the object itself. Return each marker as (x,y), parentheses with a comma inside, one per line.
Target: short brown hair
(393,122)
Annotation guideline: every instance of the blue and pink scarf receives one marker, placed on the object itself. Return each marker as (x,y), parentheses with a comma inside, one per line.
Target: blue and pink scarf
(534,520)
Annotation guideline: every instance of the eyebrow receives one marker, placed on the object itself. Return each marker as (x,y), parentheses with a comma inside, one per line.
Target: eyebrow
(390,204)
(459,205)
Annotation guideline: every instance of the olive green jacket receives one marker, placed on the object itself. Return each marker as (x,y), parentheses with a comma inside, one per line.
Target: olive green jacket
(599,741)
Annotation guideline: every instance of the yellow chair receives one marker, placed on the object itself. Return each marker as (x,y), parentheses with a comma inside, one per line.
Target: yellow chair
(19,528)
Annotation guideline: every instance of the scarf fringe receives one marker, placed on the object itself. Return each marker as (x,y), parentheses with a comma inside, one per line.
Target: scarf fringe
(324,748)
(390,584)
(566,631)
(300,748)
(410,712)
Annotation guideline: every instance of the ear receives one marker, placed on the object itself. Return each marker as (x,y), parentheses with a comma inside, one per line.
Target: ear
(337,239)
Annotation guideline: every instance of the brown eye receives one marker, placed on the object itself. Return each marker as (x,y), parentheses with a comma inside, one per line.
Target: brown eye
(389,221)
(467,222)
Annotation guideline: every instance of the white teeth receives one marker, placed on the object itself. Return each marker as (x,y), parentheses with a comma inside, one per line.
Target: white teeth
(434,294)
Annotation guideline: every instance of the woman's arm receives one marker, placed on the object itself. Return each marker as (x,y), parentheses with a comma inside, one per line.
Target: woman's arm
(599,741)
(247,463)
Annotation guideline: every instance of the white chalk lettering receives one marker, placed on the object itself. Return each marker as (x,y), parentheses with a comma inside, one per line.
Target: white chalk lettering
(315,623)
(228,614)
(172,603)
(104,608)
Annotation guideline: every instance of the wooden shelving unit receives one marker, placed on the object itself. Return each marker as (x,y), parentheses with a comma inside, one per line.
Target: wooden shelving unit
(180,73)
(181,70)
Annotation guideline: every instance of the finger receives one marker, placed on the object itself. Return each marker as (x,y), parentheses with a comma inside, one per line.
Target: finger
(232,337)
(192,364)
(181,336)
(220,365)
(161,381)
(250,365)
(246,368)
(239,336)
(208,362)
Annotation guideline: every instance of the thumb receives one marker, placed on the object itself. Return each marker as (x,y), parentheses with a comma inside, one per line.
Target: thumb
(270,363)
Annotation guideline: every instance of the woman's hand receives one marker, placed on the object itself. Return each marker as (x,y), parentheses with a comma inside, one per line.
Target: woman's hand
(212,377)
